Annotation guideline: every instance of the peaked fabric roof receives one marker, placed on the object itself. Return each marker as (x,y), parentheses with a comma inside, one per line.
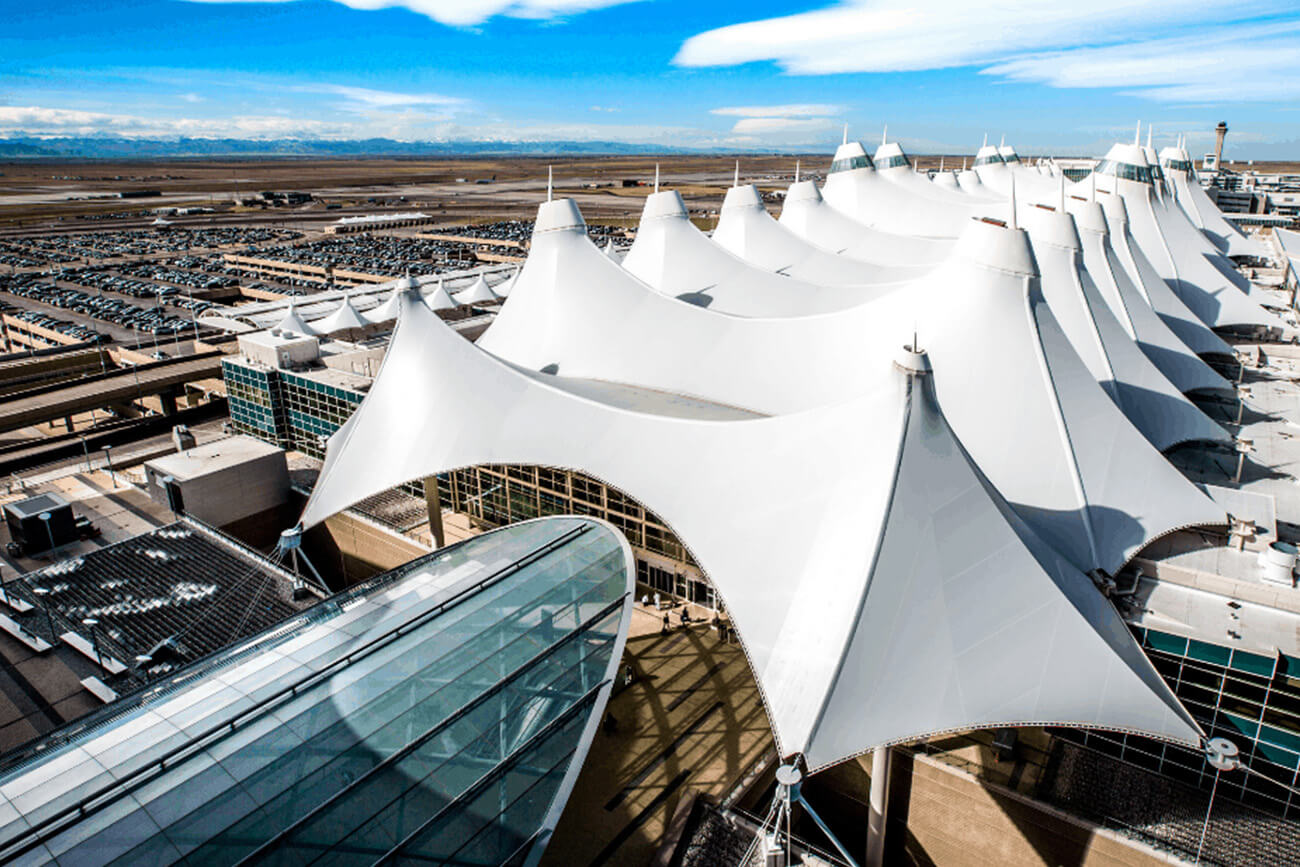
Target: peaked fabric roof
(1176,248)
(438,299)
(808,611)
(865,195)
(1074,465)
(746,230)
(1135,315)
(809,216)
(1154,405)
(1185,324)
(1202,211)
(295,323)
(478,292)
(385,312)
(344,318)
(677,259)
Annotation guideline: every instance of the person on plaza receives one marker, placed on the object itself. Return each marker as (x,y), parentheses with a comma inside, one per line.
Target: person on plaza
(668,626)
(657,605)
(686,616)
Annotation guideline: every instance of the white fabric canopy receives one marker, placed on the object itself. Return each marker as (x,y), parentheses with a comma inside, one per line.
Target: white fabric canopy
(478,292)
(1202,211)
(438,299)
(1140,321)
(294,323)
(746,230)
(882,596)
(344,318)
(1177,249)
(1078,470)
(809,216)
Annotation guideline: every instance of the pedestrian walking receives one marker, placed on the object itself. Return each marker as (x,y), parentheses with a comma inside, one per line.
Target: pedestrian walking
(657,605)
(668,626)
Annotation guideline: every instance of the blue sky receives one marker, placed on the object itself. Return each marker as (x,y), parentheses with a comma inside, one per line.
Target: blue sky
(943,73)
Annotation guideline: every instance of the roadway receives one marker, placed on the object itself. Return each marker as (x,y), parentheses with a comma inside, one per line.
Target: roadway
(50,404)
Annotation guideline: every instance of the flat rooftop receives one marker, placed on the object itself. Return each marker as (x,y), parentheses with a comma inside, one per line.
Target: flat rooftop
(213,457)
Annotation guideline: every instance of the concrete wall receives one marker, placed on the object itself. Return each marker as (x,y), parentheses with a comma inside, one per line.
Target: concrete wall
(347,548)
(232,494)
(939,815)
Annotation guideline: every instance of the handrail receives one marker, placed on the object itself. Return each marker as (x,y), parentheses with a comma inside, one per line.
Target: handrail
(32,836)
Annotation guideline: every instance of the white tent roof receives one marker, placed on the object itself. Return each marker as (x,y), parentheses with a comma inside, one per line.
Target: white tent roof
(674,257)
(863,194)
(612,252)
(1177,249)
(1185,324)
(746,230)
(438,299)
(1094,486)
(1154,405)
(946,179)
(811,217)
(882,616)
(1203,213)
(1140,322)
(893,165)
(344,318)
(479,292)
(385,312)
(294,323)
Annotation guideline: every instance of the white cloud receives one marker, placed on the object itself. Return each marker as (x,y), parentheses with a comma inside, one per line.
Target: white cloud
(191,97)
(467,13)
(40,121)
(1016,39)
(763,125)
(1238,63)
(364,96)
(797,110)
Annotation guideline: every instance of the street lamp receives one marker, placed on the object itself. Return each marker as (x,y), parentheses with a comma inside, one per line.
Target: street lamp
(94,638)
(41,594)
(49,531)
(108,457)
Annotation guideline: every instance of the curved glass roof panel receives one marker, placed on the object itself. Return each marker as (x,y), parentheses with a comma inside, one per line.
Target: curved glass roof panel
(892,161)
(439,711)
(987,159)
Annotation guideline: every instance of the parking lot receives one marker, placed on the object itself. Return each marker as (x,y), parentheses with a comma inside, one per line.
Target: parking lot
(53,250)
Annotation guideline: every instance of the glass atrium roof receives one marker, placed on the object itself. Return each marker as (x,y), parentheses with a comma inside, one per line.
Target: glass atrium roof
(439,712)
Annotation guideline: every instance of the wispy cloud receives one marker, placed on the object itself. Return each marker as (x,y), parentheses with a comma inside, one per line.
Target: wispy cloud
(1225,63)
(755,126)
(468,13)
(365,96)
(1102,43)
(806,109)
(41,121)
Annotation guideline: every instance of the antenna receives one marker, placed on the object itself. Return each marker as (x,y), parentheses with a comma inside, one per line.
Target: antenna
(736,182)
(1013,202)
(656,177)
(796,171)
(846,134)
(550,182)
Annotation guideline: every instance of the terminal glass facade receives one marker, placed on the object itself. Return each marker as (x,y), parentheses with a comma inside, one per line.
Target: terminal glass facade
(436,714)
(1252,700)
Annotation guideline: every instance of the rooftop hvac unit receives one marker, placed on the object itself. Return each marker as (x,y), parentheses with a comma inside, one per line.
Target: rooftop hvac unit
(1278,561)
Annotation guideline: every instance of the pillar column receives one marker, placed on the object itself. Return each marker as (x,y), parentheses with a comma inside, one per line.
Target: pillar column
(879,804)
(434,503)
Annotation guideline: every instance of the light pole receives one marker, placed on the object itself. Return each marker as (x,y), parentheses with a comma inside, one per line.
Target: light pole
(41,594)
(49,531)
(94,638)
(108,458)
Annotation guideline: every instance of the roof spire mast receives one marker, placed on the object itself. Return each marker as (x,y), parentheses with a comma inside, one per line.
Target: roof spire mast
(1137,134)
(1149,127)
(884,135)
(656,177)
(796,171)
(550,183)
(736,181)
